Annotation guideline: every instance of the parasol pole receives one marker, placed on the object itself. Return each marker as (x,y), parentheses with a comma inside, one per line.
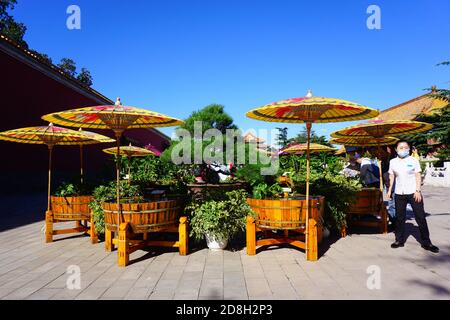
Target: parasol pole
(308,129)
(50,149)
(118,133)
(129,170)
(379,165)
(81,164)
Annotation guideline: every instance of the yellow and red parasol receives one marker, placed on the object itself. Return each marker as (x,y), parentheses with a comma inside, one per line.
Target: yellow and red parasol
(309,110)
(301,148)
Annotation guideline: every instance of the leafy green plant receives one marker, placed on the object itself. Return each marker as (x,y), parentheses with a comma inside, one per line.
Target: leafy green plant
(325,179)
(107,192)
(151,170)
(72,189)
(222,218)
(262,191)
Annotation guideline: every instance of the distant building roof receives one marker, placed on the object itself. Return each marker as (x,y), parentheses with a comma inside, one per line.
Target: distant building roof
(250,137)
(410,109)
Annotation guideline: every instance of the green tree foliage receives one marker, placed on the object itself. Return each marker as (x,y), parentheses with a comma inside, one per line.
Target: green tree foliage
(440,132)
(441,125)
(85,77)
(211,116)
(281,138)
(8,26)
(68,66)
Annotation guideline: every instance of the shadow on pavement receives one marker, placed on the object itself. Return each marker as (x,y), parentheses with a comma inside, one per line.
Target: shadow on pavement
(19,209)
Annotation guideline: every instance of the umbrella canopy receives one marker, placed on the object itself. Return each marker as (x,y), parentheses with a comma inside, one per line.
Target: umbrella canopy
(312,109)
(95,137)
(115,117)
(301,147)
(378,128)
(49,135)
(130,151)
(307,110)
(364,141)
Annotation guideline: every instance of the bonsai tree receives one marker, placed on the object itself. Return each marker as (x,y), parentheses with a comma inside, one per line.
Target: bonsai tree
(210,117)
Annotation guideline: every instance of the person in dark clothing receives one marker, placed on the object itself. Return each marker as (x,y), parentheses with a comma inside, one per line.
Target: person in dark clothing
(369,173)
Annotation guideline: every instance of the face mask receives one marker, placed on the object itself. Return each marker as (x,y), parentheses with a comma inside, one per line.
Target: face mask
(403,153)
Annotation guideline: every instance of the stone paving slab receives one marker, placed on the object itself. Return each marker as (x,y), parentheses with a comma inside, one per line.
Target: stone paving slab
(31,269)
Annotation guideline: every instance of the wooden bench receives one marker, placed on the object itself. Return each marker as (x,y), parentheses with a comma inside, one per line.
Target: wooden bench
(139,221)
(289,216)
(63,209)
(369,203)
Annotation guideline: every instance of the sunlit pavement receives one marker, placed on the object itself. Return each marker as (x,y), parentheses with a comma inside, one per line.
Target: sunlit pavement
(360,266)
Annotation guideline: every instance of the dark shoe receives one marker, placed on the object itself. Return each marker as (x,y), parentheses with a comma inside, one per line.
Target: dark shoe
(431,248)
(397,244)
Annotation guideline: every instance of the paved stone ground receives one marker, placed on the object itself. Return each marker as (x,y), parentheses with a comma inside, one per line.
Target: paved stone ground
(31,269)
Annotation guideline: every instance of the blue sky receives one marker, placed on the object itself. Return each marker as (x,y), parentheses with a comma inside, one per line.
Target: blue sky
(178,56)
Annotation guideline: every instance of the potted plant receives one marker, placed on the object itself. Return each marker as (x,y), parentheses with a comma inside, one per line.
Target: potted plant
(219,217)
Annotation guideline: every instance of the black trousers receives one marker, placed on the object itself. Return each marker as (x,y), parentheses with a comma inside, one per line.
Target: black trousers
(401,201)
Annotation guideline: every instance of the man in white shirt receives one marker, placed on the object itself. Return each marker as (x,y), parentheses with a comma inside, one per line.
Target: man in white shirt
(405,171)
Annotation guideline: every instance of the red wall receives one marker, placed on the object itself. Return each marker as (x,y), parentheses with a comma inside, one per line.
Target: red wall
(26,94)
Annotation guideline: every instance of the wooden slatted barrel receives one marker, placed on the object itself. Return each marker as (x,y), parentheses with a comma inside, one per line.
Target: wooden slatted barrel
(144,216)
(367,202)
(285,213)
(71,208)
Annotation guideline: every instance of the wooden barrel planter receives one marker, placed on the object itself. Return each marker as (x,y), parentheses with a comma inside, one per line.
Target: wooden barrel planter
(369,204)
(143,218)
(287,214)
(65,209)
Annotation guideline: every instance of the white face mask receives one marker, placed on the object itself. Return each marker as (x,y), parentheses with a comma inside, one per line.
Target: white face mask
(403,153)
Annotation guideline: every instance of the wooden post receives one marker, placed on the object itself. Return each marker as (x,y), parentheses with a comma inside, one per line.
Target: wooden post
(183,236)
(48,226)
(123,253)
(312,253)
(108,240)
(307,230)
(251,236)
(93,232)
